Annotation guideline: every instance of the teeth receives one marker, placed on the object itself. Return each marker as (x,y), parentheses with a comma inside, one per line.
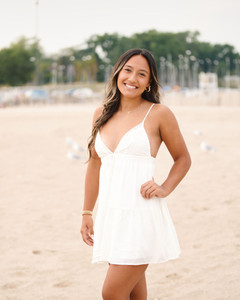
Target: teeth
(130,86)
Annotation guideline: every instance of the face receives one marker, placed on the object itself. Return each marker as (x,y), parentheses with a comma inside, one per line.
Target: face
(134,77)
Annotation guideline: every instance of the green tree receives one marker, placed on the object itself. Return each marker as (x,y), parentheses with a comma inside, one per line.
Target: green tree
(16,67)
(168,46)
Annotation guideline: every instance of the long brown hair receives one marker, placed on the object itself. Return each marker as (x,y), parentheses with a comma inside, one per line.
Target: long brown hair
(113,95)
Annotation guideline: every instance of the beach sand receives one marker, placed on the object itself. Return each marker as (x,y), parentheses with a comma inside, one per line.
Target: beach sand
(42,255)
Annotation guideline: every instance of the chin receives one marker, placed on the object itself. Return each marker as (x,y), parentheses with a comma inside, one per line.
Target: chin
(130,94)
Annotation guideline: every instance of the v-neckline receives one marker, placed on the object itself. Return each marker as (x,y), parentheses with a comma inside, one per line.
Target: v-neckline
(129,130)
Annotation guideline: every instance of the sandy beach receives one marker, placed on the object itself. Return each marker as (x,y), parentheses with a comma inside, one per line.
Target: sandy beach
(41,193)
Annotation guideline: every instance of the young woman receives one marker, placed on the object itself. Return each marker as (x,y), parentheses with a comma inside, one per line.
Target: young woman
(133,227)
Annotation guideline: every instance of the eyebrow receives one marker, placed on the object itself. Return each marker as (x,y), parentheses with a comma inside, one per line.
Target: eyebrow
(142,70)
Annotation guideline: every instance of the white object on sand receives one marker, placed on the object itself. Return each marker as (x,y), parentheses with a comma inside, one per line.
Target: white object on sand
(206,147)
(76,147)
(74,144)
(71,155)
(197,132)
(69,140)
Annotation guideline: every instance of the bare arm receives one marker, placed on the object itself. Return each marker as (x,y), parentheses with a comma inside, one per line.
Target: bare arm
(91,192)
(92,182)
(172,137)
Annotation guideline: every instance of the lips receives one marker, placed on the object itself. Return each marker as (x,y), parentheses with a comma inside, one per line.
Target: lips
(130,86)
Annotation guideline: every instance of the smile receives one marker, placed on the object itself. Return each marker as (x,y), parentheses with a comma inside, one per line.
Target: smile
(130,86)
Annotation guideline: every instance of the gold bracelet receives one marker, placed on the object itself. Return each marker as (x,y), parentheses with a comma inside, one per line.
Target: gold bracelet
(87,212)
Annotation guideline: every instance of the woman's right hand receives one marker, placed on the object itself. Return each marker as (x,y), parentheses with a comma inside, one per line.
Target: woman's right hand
(87,229)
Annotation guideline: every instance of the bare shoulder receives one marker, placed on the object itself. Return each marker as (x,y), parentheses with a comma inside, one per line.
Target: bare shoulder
(163,113)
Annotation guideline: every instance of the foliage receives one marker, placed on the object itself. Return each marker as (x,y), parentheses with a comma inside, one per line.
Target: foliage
(15,65)
(24,62)
(165,45)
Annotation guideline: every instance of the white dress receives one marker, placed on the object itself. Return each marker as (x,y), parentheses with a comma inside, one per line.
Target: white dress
(128,229)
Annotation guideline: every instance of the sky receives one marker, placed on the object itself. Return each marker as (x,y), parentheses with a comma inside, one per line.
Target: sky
(61,24)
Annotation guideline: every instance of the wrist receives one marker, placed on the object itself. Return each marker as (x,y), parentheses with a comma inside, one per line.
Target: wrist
(165,190)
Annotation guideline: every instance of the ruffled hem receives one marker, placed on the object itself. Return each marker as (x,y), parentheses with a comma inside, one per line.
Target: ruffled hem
(99,260)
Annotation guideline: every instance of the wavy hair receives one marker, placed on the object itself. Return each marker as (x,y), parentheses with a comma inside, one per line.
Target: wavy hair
(113,95)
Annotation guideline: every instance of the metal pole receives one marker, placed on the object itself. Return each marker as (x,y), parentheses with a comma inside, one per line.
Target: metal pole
(162,71)
(36,46)
(227,78)
(169,70)
(181,70)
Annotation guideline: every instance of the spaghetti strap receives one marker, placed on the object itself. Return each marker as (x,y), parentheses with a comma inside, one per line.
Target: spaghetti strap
(148,112)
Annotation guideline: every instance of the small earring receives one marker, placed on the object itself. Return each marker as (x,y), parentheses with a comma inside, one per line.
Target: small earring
(148,89)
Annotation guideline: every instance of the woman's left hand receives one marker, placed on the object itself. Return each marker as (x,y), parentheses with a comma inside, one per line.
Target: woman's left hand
(150,189)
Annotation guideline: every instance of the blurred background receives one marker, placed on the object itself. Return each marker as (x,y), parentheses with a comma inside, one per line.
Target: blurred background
(63,51)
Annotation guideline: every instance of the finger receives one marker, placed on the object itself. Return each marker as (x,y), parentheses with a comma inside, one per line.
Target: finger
(146,186)
(146,183)
(153,194)
(91,231)
(89,243)
(88,239)
(143,192)
(149,191)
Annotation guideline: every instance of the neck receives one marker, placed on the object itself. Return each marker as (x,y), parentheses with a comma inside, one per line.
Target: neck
(127,104)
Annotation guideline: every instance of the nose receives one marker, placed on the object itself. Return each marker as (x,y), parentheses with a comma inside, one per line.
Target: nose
(132,77)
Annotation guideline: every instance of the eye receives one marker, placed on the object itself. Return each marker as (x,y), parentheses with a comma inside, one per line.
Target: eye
(142,74)
(127,69)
